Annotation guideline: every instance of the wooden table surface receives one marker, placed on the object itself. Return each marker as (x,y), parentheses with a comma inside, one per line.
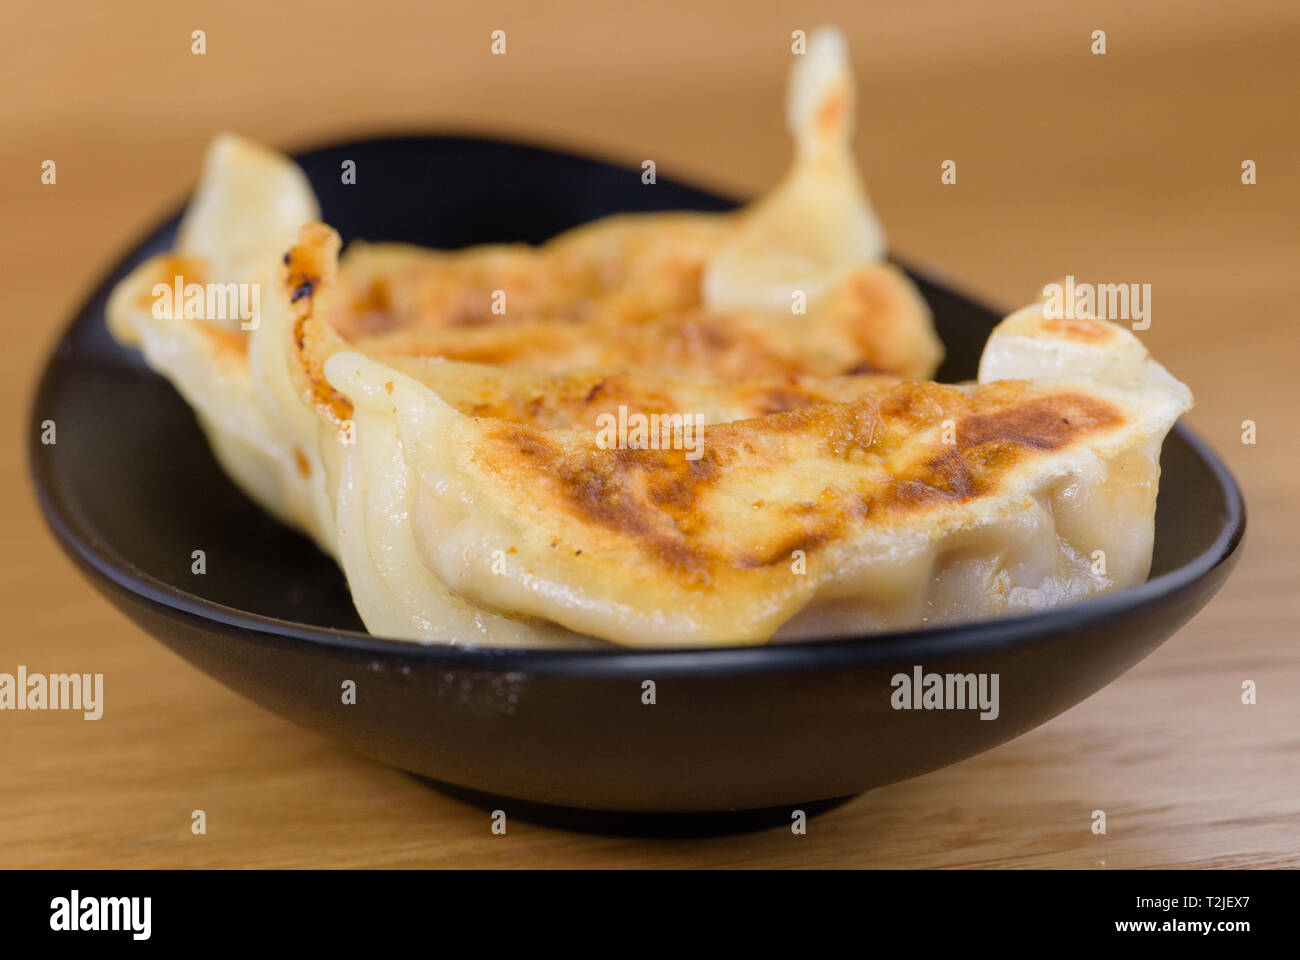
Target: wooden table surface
(1122,167)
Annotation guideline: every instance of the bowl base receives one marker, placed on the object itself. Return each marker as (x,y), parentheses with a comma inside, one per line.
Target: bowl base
(620,824)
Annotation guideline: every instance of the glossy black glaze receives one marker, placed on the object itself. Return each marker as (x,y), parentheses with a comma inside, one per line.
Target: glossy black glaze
(131,489)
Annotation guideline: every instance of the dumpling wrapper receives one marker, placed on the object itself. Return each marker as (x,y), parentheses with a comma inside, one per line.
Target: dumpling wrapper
(919,503)
(817,224)
(247,210)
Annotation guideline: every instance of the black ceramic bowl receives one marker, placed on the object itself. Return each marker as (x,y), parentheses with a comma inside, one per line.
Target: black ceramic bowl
(131,489)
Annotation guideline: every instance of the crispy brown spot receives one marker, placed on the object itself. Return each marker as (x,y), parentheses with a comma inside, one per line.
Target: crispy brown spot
(595,390)
(782,400)
(1078,328)
(528,443)
(648,494)
(805,540)
(371,311)
(323,393)
(830,112)
(234,342)
(1044,423)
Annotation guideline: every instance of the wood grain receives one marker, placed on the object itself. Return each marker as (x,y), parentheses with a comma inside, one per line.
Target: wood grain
(1124,167)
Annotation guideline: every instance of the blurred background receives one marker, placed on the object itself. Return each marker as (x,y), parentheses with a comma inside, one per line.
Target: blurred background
(1124,167)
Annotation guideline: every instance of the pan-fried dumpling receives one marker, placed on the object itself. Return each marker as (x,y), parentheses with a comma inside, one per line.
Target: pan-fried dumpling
(288,351)
(676,295)
(573,397)
(249,206)
(918,503)
(792,284)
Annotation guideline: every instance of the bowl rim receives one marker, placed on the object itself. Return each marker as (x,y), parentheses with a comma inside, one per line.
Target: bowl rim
(939,641)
